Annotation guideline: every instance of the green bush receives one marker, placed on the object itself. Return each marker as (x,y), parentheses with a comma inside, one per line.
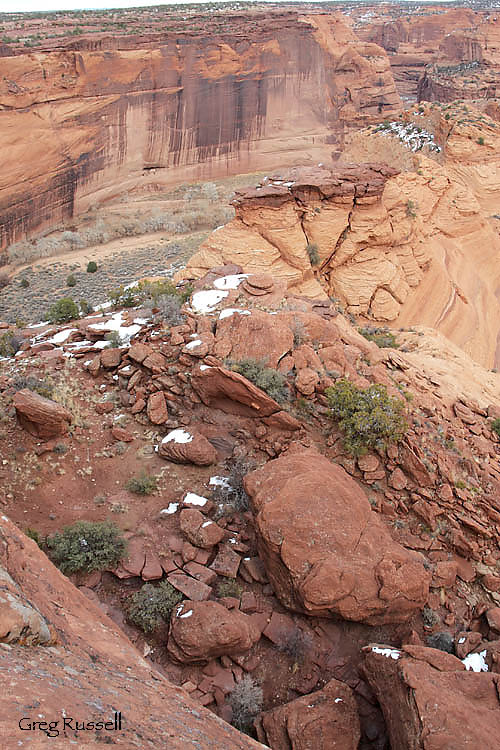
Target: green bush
(495,426)
(369,417)
(152,605)
(270,381)
(10,343)
(480,140)
(380,336)
(144,484)
(313,253)
(71,281)
(87,546)
(411,208)
(63,311)
(25,283)
(91,266)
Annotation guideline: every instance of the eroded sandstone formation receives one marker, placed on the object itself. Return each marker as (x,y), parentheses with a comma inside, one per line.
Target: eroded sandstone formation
(101,119)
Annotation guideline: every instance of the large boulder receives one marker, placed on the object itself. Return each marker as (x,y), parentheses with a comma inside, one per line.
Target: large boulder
(187,447)
(247,334)
(325,551)
(231,392)
(41,416)
(431,701)
(324,720)
(199,530)
(200,631)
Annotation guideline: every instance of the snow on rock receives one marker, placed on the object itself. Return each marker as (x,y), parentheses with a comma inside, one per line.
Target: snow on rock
(178,436)
(186,614)
(61,336)
(392,653)
(207,301)
(231,311)
(219,481)
(230,282)
(191,498)
(193,344)
(412,135)
(205,367)
(115,323)
(172,508)
(476,662)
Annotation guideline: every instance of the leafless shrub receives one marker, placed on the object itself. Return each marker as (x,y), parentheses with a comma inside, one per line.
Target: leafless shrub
(246,702)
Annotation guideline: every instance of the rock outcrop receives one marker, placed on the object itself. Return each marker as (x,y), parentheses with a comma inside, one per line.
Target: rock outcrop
(91,669)
(325,720)
(41,416)
(180,105)
(415,247)
(200,631)
(324,549)
(425,695)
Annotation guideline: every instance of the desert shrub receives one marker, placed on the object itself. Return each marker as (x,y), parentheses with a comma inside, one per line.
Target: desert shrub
(114,339)
(368,417)
(71,281)
(229,587)
(246,702)
(91,266)
(85,307)
(35,535)
(10,343)
(231,495)
(268,380)
(4,280)
(313,253)
(87,546)
(380,336)
(480,140)
(152,605)
(495,426)
(63,311)
(25,283)
(42,387)
(169,310)
(299,333)
(297,644)
(411,208)
(443,641)
(144,484)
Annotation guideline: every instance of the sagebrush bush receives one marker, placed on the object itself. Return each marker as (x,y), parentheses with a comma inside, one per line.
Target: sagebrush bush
(71,281)
(10,343)
(369,417)
(86,546)
(168,308)
(43,387)
(152,605)
(144,484)
(495,426)
(231,495)
(313,253)
(380,336)
(63,311)
(246,703)
(268,380)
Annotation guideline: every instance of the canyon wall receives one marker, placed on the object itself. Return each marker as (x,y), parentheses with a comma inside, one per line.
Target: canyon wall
(95,119)
(419,247)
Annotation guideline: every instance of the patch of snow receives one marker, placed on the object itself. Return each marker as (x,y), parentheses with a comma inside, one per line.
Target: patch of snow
(205,367)
(393,653)
(87,363)
(101,345)
(338,700)
(410,134)
(61,336)
(194,344)
(230,282)
(231,311)
(232,540)
(219,481)
(141,321)
(39,325)
(115,323)
(476,662)
(78,344)
(172,508)
(461,640)
(186,614)
(207,301)
(191,498)
(207,523)
(178,436)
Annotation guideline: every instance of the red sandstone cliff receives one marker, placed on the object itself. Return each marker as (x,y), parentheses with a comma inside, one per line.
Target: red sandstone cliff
(77,125)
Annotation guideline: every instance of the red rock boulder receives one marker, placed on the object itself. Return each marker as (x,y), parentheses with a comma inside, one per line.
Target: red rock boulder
(430,701)
(40,416)
(325,551)
(187,447)
(200,631)
(324,720)
(199,530)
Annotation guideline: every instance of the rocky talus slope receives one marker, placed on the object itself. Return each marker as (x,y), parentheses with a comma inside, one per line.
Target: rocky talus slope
(415,247)
(345,581)
(109,115)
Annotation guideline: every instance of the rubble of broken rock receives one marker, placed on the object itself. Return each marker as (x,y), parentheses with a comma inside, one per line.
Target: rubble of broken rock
(397,548)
